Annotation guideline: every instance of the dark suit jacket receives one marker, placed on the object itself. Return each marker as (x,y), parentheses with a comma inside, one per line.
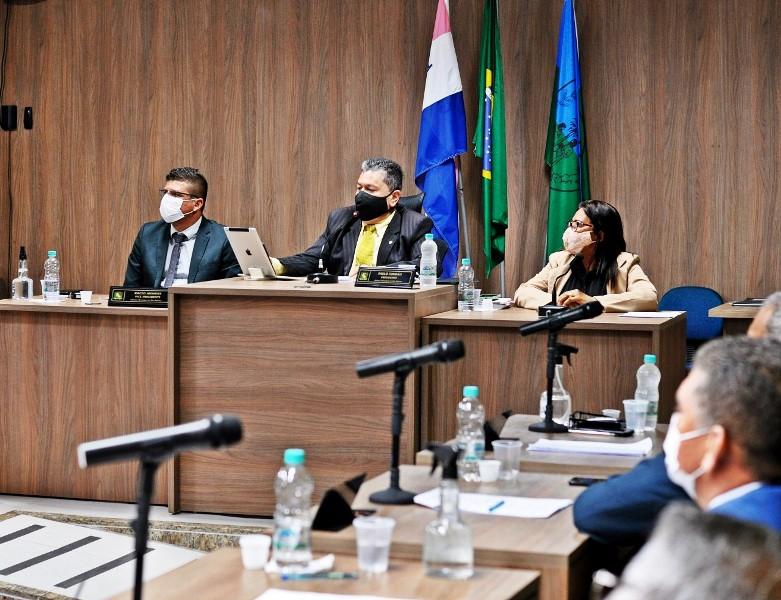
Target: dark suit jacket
(212,256)
(623,510)
(401,242)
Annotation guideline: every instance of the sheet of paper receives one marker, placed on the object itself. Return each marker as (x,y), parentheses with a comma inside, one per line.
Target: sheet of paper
(277,594)
(659,314)
(501,506)
(640,448)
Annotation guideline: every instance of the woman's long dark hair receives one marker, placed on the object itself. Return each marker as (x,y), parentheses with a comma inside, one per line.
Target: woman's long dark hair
(605,219)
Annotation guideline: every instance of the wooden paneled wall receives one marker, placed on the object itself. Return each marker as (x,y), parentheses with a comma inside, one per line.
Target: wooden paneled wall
(277,101)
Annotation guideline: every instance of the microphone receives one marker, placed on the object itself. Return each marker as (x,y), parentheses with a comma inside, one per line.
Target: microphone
(444,351)
(558,321)
(157,444)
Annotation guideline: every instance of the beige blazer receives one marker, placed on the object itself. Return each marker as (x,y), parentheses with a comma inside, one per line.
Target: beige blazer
(632,289)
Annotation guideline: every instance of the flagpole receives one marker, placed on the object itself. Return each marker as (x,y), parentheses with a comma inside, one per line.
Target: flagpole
(462,211)
(501,280)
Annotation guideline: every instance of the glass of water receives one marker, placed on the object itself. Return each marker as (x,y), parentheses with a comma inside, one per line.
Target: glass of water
(373,537)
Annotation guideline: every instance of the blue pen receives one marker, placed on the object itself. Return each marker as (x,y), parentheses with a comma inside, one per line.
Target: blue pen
(496,506)
(332,575)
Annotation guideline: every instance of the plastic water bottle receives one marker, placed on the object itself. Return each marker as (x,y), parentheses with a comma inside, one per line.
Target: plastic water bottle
(292,520)
(428,262)
(466,285)
(22,285)
(561,400)
(51,278)
(471,436)
(648,378)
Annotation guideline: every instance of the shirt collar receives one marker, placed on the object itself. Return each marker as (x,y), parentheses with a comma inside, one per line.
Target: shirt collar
(734,494)
(190,232)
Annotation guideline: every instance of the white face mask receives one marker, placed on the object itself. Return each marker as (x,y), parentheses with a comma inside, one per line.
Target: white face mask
(171,209)
(575,242)
(671,447)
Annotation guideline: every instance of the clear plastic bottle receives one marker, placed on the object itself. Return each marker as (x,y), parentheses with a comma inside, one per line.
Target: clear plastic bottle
(292,519)
(448,550)
(466,285)
(51,278)
(428,262)
(471,436)
(22,286)
(648,378)
(561,400)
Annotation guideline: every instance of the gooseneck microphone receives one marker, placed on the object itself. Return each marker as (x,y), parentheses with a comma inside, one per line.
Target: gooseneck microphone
(157,444)
(558,321)
(444,351)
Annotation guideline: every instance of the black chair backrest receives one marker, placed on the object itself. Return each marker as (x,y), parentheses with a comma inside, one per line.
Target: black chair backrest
(413,202)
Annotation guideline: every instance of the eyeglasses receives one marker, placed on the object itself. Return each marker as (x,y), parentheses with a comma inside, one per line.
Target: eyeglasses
(575,225)
(176,194)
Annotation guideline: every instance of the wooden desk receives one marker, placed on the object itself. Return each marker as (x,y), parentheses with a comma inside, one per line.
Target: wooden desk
(736,318)
(510,368)
(567,463)
(281,355)
(221,575)
(74,373)
(551,546)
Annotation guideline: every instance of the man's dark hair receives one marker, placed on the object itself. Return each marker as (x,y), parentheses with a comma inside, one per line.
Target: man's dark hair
(742,393)
(393,175)
(605,218)
(192,176)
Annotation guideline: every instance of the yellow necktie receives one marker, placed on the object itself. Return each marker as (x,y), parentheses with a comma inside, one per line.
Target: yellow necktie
(364,251)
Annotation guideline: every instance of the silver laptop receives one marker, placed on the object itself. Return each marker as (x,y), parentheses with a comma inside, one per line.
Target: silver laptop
(250,251)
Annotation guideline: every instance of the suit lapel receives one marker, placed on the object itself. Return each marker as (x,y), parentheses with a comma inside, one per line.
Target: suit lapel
(162,252)
(390,240)
(201,241)
(346,248)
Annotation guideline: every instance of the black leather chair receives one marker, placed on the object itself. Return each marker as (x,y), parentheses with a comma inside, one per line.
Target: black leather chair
(413,202)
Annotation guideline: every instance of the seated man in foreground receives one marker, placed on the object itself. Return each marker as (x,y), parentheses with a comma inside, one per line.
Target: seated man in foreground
(376,231)
(183,246)
(623,510)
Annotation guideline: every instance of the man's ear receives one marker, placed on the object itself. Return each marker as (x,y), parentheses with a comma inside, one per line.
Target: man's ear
(394,198)
(718,448)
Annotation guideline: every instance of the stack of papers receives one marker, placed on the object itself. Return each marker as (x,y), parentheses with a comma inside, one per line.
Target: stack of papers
(502,506)
(657,314)
(640,448)
(277,594)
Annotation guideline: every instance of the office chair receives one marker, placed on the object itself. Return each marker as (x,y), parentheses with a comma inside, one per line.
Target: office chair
(696,301)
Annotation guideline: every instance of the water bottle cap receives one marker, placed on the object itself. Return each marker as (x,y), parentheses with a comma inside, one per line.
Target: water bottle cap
(429,236)
(649,358)
(471,391)
(466,261)
(52,253)
(294,456)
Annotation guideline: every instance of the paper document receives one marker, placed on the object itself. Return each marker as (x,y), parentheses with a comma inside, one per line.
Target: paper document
(640,448)
(276,594)
(501,506)
(659,314)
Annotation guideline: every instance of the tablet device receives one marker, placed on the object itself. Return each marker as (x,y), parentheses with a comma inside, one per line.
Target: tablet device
(250,251)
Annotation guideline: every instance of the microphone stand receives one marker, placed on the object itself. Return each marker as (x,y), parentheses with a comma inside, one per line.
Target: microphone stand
(554,354)
(146,483)
(394,494)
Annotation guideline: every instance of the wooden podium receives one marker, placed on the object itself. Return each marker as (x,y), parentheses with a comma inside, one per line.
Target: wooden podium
(281,355)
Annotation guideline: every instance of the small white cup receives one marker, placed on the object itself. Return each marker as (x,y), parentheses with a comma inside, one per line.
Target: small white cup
(86,297)
(254,550)
(373,538)
(635,411)
(489,470)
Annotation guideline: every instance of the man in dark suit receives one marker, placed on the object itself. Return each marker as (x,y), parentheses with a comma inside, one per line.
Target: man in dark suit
(376,231)
(184,246)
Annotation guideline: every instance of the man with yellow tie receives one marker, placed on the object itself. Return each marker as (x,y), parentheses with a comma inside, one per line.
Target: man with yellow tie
(376,231)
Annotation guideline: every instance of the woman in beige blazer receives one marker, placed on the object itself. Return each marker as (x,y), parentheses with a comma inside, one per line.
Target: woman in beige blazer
(593,266)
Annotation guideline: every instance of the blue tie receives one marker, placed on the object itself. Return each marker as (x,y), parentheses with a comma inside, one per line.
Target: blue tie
(170,274)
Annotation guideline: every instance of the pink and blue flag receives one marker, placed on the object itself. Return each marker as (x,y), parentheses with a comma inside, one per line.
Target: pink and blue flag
(442,137)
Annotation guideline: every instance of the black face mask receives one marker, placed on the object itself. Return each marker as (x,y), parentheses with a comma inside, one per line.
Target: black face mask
(370,207)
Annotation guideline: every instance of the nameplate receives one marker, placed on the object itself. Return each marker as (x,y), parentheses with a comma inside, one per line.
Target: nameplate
(385,277)
(138,297)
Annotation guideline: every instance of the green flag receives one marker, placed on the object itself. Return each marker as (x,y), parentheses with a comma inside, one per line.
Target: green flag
(489,139)
(565,151)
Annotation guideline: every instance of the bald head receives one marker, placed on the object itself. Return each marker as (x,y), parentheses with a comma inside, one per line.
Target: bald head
(767,321)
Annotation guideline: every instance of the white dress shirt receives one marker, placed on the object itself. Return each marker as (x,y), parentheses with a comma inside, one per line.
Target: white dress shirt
(185,253)
(734,494)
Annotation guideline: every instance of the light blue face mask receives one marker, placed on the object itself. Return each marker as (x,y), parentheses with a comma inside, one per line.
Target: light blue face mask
(671,446)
